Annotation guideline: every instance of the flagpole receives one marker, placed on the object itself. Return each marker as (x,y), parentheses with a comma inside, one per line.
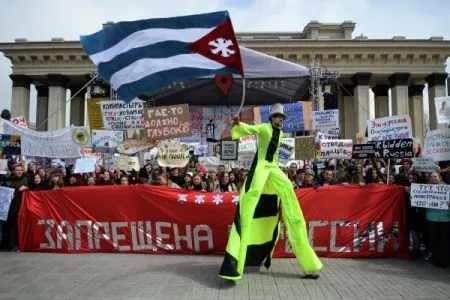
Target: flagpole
(243,95)
(67,101)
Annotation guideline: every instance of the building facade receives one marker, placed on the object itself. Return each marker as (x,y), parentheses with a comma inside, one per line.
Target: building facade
(397,68)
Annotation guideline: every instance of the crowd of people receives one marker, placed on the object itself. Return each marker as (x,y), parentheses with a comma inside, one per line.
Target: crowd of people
(429,228)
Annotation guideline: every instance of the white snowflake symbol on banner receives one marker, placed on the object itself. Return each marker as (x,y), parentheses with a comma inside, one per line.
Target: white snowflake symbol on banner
(199,199)
(217,199)
(221,46)
(235,199)
(182,198)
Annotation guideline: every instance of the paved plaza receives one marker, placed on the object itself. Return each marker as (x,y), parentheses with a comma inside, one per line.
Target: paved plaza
(124,276)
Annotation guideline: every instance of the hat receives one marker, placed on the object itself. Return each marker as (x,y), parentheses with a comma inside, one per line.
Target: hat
(202,169)
(277,109)
(190,174)
(310,172)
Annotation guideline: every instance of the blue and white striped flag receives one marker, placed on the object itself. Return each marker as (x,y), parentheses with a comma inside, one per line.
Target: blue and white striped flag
(143,56)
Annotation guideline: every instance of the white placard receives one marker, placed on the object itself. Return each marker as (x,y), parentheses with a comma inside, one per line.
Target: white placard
(422,164)
(229,150)
(248,144)
(6,196)
(61,143)
(433,196)
(126,163)
(106,141)
(327,134)
(286,151)
(201,150)
(389,128)
(437,144)
(3,166)
(339,149)
(118,115)
(442,109)
(85,165)
(324,119)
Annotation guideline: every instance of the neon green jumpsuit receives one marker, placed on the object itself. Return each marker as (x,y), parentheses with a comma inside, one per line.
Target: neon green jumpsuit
(255,229)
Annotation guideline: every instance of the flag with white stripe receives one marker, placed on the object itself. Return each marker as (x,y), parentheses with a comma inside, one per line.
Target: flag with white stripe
(143,56)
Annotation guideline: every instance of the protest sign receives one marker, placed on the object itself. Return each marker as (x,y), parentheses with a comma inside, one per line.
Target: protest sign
(127,163)
(201,150)
(118,115)
(20,121)
(339,149)
(433,196)
(106,141)
(389,128)
(3,166)
(294,116)
(94,110)
(442,109)
(61,143)
(305,147)
(173,155)
(422,164)
(6,196)
(248,143)
(437,144)
(228,150)
(327,134)
(132,146)
(286,151)
(165,122)
(85,165)
(324,119)
(10,144)
(398,148)
(363,151)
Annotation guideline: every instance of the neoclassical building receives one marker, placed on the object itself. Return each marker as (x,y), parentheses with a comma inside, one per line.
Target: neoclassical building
(398,67)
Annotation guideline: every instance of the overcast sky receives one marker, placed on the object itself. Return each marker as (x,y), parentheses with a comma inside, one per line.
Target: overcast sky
(44,19)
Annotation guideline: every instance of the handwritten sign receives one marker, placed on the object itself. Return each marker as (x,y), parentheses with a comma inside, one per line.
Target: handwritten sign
(363,151)
(228,150)
(422,164)
(248,144)
(118,115)
(106,141)
(201,150)
(10,144)
(403,148)
(324,119)
(339,149)
(433,196)
(305,147)
(437,144)
(127,163)
(173,155)
(165,122)
(94,110)
(389,128)
(286,151)
(85,165)
(20,121)
(327,134)
(294,116)
(6,196)
(442,109)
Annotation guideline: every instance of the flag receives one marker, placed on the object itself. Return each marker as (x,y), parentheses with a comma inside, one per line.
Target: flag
(143,56)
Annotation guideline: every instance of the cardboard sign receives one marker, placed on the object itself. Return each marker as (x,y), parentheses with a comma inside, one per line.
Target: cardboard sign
(127,163)
(305,147)
(165,122)
(325,119)
(437,144)
(10,144)
(339,149)
(389,128)
(106,141)
(118,115)
(94,110)
(85,165)
(20,121)
(403,148)
(442,109)
(294,116)
(422,164)
(173,155)
(363,151)
(228,150)
(6,196)
(433,196)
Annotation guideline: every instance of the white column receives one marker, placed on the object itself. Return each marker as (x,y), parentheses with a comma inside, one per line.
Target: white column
(56,101)
(436,88)
(361,101)
(20,98)
(77,106)
(381,100)
(416,110)
(41,107)
(399,93)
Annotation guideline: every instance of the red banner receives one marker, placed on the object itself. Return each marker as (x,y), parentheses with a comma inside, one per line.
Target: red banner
(343,221)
